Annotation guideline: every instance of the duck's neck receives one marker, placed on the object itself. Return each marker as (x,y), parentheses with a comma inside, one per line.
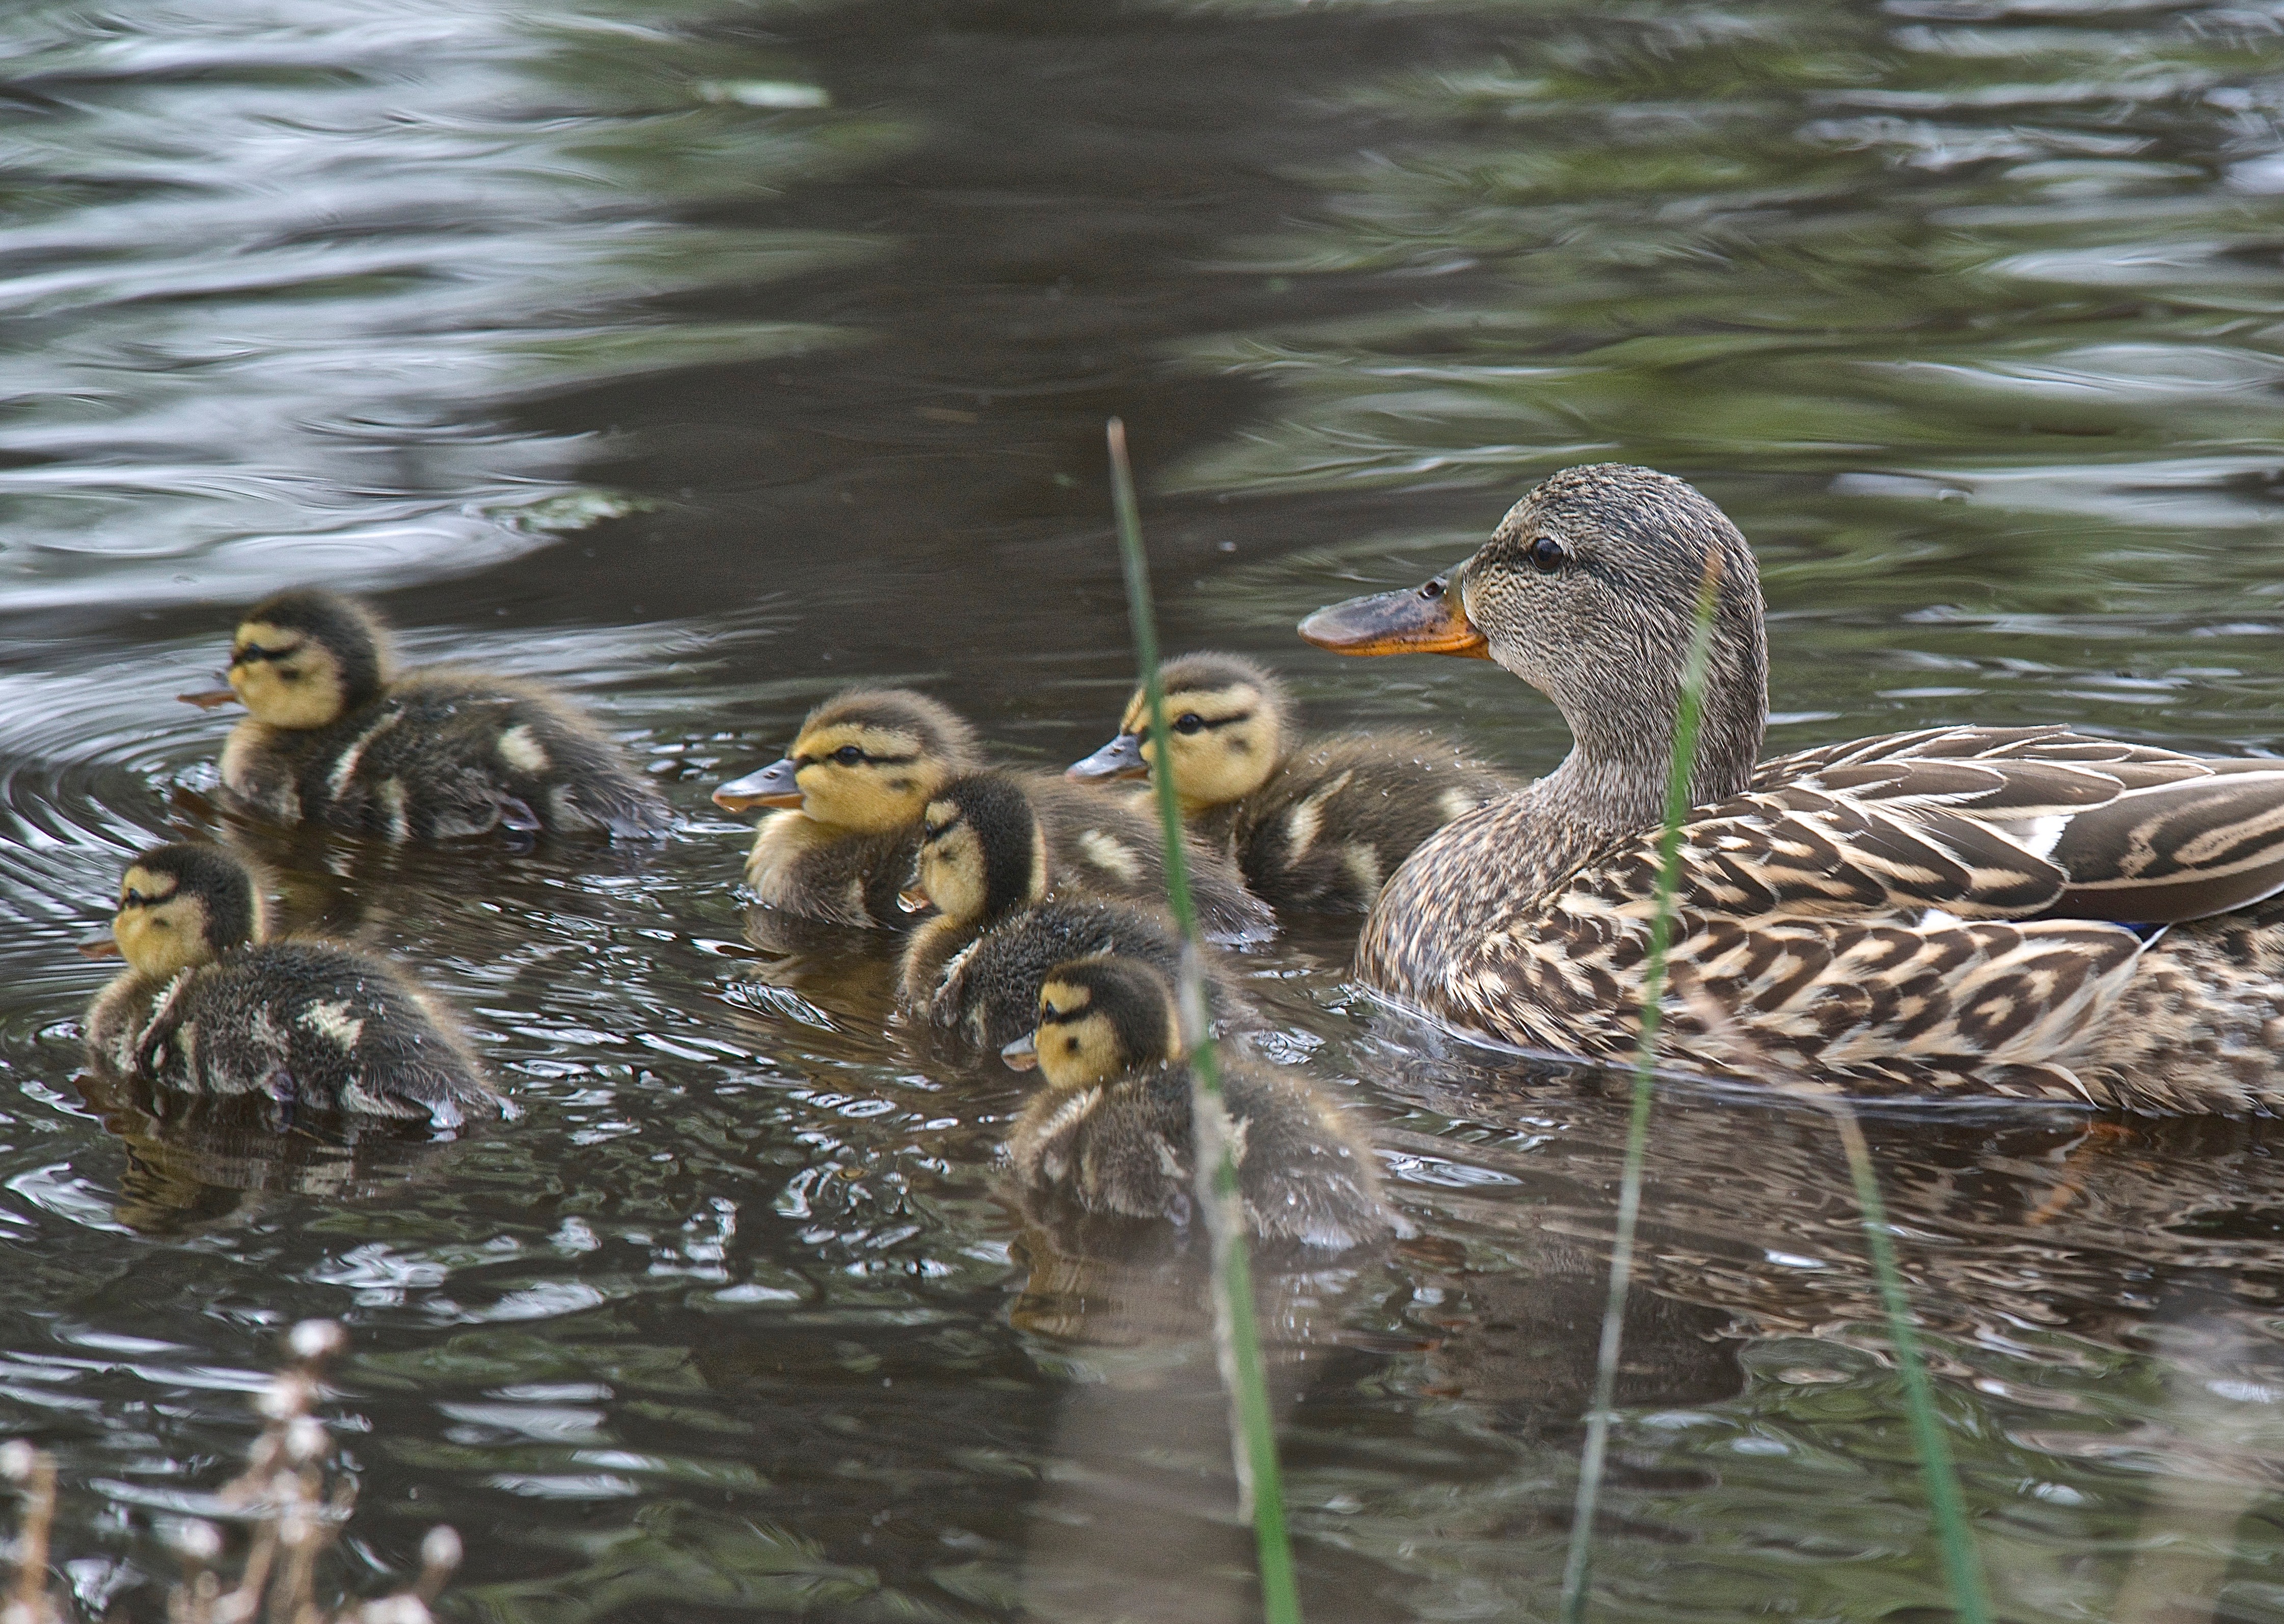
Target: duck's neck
(1615,777)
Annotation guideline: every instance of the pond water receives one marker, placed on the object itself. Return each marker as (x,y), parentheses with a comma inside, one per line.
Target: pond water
(703,357)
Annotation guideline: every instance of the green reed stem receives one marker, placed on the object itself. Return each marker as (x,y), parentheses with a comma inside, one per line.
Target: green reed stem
(1577,1563)
(1237,1336)
(1962,1564)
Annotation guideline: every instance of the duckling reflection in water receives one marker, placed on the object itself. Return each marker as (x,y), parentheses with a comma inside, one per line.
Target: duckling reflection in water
(1005,917)
(1112,1131)
(851,798)
(1313,825)
(207,1008)
(334,736)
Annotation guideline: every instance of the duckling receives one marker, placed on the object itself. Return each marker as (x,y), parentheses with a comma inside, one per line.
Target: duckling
(1003,921)
(334,736)
(1313,826)
(860,775)
(849,796)
(208,1007)
(1111,1132)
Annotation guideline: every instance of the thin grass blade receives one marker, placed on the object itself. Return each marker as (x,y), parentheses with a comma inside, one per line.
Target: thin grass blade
(1577,1565)
(1237,1336)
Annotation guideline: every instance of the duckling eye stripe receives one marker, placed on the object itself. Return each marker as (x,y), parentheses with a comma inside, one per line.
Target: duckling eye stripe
(253,653)
(936,832)
(800,761)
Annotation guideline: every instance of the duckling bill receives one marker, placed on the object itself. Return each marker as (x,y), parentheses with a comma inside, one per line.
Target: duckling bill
(333,735)
(1112,1132)
(207,1007)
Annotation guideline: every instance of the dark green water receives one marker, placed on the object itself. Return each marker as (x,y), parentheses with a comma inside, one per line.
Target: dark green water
(702,358)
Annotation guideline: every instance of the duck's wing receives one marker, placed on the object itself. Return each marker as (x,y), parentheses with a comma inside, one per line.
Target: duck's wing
(2142,835)
(1802,852)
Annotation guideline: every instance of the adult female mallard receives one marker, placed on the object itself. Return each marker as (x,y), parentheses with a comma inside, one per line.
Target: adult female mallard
(2017,910)
(1315,825)
(333,735)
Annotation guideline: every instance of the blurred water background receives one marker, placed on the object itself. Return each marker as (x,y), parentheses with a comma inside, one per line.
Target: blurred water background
(703,357)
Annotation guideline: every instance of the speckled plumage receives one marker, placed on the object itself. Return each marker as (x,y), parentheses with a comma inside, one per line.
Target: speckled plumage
(304,1026)
(1123,1144)
(2006,910)
(435,754)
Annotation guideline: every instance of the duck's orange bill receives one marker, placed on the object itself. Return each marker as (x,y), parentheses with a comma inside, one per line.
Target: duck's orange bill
(207,698)
(1425,620)
(105,946)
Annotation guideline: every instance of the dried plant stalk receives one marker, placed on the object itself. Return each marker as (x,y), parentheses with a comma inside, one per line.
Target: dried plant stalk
(292,1507)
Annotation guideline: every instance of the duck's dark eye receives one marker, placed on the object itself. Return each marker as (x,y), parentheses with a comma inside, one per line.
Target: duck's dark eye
(133,899)
(1189,721)
(848,755)
(1546,555)
(1433,588)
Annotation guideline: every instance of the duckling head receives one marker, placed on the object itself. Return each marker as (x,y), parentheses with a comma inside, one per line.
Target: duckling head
(1098,1018)
(1230,723)
(1588,590)
(865,760)
(181,906)
(982,854)
(304,658)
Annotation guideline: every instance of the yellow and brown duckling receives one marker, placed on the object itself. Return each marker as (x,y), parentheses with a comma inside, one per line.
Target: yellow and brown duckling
(1314,826)
(1112,1130)
(850,801)
(333,735)
(2017,910)
(1005,915)
(846,803)
(209,1008)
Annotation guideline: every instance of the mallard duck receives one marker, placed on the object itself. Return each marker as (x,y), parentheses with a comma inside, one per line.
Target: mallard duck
(208,1007)
(1005,915)
(1314,826)
(847,799)
(1111,1130)
(860,775)
(334,735)
(2018,911)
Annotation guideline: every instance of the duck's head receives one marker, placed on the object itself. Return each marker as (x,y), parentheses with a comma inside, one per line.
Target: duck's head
(181,906)
(304,660)
(1588,590)
(982,854)
(865,760)
(1098,1018)
(1229,723)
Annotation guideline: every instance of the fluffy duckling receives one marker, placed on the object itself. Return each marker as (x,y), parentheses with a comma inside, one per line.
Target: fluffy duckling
(1004,919)
(848,796)
(1111,1131)
(333,735)
(861,774)
(1314,827)
(206,1007)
